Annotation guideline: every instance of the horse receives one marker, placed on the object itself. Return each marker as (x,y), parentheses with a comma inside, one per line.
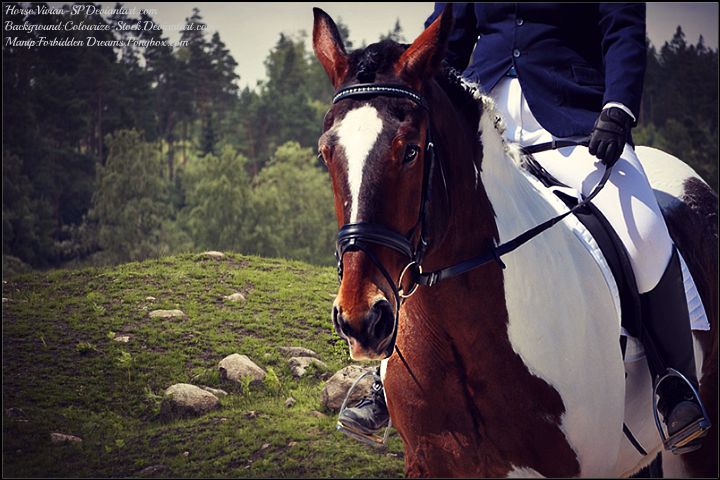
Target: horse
(512,367)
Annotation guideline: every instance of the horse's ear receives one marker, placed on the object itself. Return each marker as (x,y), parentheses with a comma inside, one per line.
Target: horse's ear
(424,57)
(329,47)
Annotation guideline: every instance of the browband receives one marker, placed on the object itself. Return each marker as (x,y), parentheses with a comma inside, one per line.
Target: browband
(380,89)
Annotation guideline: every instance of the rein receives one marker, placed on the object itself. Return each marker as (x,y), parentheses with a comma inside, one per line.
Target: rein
(357,235)
(495,252)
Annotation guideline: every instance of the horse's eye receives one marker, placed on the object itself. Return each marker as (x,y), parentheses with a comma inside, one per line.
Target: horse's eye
(321,158)
(411,153)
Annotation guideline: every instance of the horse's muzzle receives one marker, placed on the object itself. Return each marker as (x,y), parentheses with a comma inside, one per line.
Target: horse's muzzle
(369,332)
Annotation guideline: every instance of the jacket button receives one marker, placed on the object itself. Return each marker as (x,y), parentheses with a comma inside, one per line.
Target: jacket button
(519,22)
(516,53)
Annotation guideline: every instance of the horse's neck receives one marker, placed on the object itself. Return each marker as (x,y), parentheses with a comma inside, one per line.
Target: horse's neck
(462,221)
(490,198)
(461,215)
(519,201)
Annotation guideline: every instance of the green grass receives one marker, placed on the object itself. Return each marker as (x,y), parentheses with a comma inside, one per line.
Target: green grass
(62,367)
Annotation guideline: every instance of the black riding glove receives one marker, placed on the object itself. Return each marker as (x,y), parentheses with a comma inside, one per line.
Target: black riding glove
(609,134)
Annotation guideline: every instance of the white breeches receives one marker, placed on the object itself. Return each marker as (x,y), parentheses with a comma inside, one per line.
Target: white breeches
(627,200)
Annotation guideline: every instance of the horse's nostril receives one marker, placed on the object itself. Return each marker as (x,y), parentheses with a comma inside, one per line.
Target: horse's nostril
(381,320)
(368,333)
(341,325)
(336,320)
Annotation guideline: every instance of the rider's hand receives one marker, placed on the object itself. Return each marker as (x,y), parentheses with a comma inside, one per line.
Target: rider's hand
(608,137)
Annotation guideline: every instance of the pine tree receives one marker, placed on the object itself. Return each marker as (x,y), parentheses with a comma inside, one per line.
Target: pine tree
(130,201)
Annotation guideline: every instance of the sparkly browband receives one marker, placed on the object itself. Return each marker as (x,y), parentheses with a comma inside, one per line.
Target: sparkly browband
(379,88)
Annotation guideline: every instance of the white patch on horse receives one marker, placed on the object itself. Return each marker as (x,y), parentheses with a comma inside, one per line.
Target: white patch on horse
(666,174)
(572,308)
(357,134)
(518,472)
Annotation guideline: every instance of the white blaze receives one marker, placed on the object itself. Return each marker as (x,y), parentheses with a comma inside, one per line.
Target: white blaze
(357,134)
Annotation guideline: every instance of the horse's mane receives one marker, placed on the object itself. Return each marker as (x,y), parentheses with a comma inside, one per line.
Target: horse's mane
(461,93)
(467,96)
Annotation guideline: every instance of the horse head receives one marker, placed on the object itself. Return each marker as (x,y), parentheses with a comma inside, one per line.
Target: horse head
(375,145)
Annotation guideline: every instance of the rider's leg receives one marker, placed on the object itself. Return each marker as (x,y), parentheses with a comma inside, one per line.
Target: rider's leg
(627,200)
(629,204)
(665,318)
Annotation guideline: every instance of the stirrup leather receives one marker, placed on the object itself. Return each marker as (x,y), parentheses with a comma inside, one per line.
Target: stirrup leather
(374,440)
(677,442)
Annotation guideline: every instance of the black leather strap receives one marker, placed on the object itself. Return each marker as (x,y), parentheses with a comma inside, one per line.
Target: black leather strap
(554,145)
(494,253)
(373,233)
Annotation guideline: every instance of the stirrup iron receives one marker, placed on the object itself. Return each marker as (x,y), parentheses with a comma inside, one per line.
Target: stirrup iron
(374,440)
(697,429)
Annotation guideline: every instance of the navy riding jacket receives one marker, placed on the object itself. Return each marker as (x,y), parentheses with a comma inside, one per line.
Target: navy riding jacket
(570,58)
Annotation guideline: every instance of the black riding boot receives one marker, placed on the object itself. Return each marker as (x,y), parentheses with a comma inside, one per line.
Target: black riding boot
(667,324)
(370,414)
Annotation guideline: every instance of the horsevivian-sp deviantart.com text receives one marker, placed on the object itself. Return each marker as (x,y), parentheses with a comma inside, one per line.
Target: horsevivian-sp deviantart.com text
(79,18)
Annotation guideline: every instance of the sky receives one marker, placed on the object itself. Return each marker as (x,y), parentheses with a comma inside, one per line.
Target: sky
(251,30)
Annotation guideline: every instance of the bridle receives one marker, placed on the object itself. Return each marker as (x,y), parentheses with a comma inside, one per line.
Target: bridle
(358,236)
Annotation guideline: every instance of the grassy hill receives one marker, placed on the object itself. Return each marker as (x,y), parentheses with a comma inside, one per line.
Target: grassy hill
(65,371)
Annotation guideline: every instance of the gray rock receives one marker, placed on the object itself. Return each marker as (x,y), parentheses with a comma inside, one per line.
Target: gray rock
(63,438)
(336,388)
(235,297)
(235,367)
(167,313)
(151,470)
(14,412)
(185,400)
(298,365)
(298,352)
(215,391)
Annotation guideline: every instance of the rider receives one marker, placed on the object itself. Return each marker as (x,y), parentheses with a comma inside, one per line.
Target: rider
(566,71)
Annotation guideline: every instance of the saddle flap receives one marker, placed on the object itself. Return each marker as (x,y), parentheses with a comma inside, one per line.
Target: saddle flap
(617,258)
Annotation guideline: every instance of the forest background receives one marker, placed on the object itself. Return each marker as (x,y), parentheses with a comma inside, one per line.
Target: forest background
(114,154)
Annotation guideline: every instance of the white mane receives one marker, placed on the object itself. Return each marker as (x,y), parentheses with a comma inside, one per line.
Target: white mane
(511,149)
